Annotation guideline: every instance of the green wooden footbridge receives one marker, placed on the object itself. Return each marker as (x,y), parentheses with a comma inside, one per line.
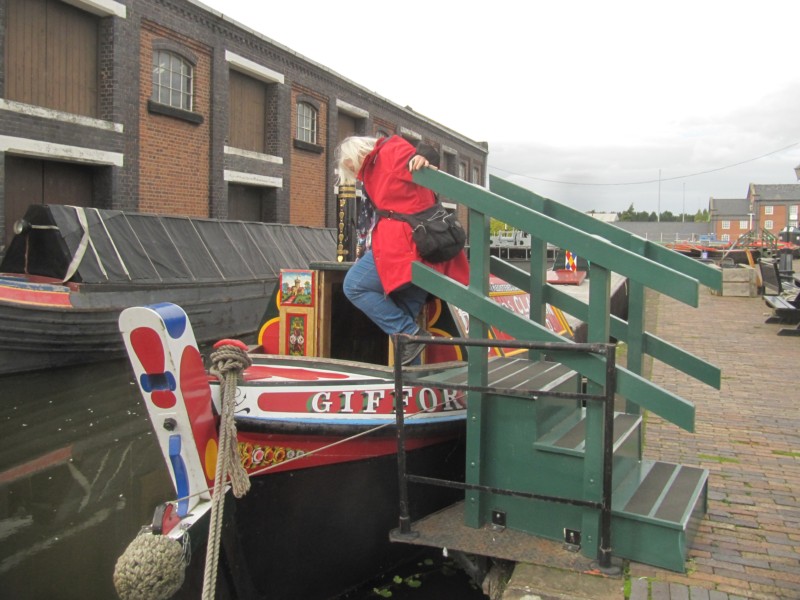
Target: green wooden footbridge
(555,440)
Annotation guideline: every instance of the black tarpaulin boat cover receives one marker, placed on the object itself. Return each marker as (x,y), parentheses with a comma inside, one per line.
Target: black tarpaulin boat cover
(89,245)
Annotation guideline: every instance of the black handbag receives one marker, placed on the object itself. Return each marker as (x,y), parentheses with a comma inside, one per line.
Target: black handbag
(437,233)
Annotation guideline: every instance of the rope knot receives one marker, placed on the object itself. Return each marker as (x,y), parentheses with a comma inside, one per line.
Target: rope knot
(228,359)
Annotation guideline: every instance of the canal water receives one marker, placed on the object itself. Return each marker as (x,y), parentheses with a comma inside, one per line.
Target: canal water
(80,473)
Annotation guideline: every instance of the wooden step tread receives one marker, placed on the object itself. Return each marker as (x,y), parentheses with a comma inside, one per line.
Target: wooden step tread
(572,436)
(518,374)
(666,492)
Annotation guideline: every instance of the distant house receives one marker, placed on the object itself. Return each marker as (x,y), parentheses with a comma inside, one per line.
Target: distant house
(730,218)
(770,207)
(775,206)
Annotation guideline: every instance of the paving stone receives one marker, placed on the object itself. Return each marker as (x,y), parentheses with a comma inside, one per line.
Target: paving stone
(659,590)
(678,592)
(696,593)
(640,589)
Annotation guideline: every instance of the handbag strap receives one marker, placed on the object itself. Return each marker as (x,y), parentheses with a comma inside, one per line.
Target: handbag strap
(390,214)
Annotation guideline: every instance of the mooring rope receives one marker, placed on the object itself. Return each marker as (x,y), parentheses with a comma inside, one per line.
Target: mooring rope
(227,363)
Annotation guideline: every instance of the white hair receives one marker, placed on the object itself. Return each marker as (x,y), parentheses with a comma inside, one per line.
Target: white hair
(352,151)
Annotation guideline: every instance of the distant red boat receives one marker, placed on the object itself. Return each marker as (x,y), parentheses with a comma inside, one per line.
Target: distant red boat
(746,250)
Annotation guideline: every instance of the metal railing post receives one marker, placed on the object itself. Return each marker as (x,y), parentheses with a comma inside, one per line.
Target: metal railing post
(402,481)
(605,550)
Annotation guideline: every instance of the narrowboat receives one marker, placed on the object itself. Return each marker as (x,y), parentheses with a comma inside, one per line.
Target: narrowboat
(69,271)
(314,415)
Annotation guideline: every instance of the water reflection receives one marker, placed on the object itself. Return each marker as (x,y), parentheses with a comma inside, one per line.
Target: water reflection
(80,472)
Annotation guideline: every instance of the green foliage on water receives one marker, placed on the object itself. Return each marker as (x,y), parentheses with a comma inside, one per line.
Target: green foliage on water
(424,568)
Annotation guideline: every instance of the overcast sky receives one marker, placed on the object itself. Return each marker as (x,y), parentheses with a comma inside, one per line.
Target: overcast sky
(588,103)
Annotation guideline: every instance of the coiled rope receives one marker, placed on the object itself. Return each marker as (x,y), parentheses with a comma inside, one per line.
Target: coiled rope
(228,360)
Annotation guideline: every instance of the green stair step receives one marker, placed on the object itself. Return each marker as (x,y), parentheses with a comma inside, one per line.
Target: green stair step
(518,374)
(570,437)
(655,513)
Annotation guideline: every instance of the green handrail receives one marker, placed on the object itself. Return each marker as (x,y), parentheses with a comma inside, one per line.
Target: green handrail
(609,248)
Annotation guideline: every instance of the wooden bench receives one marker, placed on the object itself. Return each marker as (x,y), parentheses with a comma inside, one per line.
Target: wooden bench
(781,295)
(774,280)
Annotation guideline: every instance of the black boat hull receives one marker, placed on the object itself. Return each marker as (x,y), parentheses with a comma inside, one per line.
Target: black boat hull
(315,534)
(35,337)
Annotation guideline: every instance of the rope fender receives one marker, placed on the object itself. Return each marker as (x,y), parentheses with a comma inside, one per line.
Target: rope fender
(152,567)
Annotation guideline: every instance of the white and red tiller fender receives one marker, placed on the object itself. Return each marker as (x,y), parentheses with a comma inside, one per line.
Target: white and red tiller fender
(174,384)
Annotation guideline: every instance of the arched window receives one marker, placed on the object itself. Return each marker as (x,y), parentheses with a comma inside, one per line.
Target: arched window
(306,123)
(476,176)
(172,80)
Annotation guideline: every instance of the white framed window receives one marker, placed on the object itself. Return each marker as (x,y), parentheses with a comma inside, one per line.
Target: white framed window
(768,209)
(726,224)
(476,175)
(743,225)
(793,212)
(462,171)
(306,123)
(173,80)
(725,238)
(769,224)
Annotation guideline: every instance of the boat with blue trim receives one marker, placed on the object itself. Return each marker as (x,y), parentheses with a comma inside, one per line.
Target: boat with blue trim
(314,413)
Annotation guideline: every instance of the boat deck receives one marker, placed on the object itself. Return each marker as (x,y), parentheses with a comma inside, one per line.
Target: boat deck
(446,529)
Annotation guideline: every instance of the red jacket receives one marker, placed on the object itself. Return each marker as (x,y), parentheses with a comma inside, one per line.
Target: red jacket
(389,185)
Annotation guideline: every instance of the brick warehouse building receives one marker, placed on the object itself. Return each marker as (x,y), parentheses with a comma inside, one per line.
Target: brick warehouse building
(167,106)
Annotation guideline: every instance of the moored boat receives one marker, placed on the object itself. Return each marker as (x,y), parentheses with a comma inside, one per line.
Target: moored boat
(717,251)
(314,415)
(313,437)
(70,271)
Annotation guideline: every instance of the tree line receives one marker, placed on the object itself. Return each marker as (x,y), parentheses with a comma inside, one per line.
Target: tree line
(631,214)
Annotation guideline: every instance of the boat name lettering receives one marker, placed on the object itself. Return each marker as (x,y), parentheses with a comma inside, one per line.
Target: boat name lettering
(424,399)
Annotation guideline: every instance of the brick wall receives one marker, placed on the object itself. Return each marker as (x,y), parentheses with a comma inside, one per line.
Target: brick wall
(174,153)
(309,167)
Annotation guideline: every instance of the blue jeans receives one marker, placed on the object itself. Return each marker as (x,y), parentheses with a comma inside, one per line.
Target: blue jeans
(393,313)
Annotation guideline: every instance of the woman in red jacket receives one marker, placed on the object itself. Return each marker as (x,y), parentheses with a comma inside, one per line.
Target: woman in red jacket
(379,283)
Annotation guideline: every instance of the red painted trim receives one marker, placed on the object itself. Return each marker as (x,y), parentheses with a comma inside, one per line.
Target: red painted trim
(17,295)
(270,453)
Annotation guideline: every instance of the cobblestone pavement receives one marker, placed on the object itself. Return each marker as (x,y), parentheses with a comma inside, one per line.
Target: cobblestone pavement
(748,436)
